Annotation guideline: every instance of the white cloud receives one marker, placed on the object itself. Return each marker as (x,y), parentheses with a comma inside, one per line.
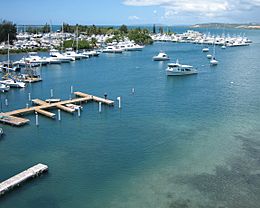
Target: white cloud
(133,18)
(199,8)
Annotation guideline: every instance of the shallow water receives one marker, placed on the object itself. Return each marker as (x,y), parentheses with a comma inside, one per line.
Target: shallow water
(177,141)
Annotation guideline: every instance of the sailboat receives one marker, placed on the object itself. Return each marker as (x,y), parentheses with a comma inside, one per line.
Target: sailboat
(11,82)
(213,60)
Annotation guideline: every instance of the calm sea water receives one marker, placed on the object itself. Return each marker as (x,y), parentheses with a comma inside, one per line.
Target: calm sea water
(177,142)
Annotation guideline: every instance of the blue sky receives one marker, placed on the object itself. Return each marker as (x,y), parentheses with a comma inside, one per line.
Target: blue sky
(130,12)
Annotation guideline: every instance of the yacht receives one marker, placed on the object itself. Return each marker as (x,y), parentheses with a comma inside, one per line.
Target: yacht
(133,47)
(161,57)
(209,56)
(4,87)
(73,54)
(53,60)
(176,69)
(35,59)
(13,83)
(213,61)
(112,49)
(63,58)
(206,49)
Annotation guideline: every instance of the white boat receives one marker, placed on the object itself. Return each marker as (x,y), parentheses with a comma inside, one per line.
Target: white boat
(53,100)
(35,59)
(223,47)
(112,49)
(63,58)
(161,57)
(73,54)
(133,47)
(90,53)
(73,106)
(4,87)
(213,61)
(206,49)
(209,56)
(53,60)
(176,69)
(13,83)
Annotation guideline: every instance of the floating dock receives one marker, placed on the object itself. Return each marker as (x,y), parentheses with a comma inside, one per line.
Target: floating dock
(12,118)
(22,177)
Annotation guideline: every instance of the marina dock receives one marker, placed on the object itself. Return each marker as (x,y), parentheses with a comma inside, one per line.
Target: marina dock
(22,177)
(12,118)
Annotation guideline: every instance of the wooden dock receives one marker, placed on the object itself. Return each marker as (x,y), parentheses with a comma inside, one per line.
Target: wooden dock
(22,177)
(12,118)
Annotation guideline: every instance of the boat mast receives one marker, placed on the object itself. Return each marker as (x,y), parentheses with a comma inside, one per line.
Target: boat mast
(77,39)
(62,42)
(8,56)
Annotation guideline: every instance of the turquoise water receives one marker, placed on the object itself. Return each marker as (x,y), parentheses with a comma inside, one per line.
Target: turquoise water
(177,141)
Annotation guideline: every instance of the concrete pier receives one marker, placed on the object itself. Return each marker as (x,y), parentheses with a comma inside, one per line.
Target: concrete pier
(22,177)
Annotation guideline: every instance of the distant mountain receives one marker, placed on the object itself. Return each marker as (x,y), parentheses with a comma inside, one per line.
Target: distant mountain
(227,25)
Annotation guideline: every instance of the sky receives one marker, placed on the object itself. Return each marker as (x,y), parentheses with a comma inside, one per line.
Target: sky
(130,12)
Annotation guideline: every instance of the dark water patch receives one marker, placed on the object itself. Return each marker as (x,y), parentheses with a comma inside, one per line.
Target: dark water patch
(236,184)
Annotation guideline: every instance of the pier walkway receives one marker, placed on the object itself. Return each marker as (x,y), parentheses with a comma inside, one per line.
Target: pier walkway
(21,177)
(12,119)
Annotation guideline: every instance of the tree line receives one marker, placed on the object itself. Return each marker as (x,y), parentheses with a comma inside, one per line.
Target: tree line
(7,27)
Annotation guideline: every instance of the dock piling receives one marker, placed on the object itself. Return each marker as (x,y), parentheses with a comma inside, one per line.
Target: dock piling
(59,115)
(99,107)
(36,119)
(51,93)
(78,112)
(29,97)
(6,102)
(119,102)
(71,89)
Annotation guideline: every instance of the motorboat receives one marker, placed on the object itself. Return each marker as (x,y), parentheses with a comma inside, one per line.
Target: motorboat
(176,69)
(133,47)
(112,49)
(4,87)
(209,56)
(73,54)
(90,53)
(53,60)
(206,49)
(35,59)
(13,83)
(161,57)
(73,106)
(213,61)
(52,100)
(63,58)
